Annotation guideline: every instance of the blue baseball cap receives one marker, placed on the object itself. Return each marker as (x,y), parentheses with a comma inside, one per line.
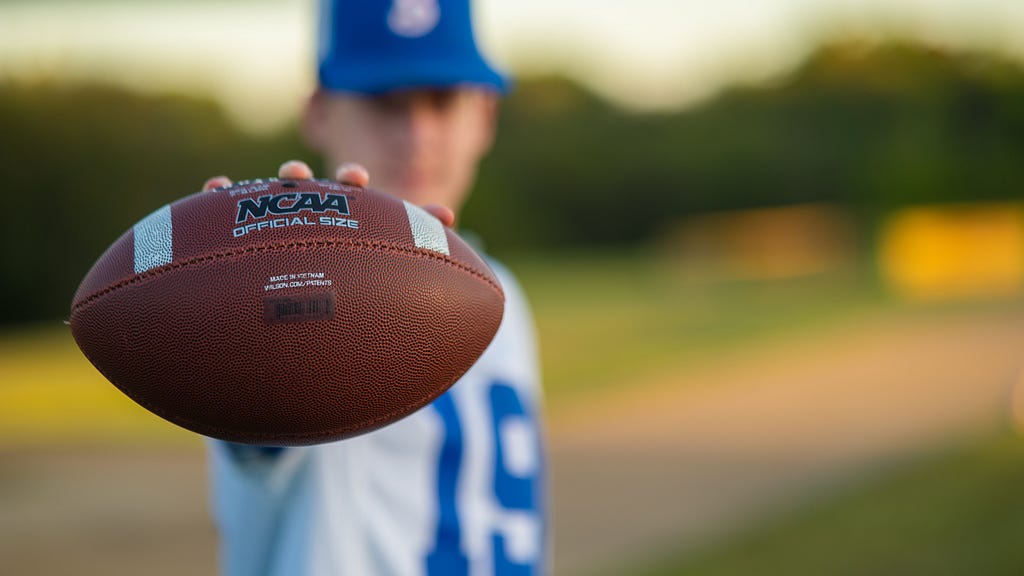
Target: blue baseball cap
(375,46)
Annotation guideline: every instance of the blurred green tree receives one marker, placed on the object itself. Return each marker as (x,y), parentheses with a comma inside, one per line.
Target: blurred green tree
(81,164)
(869,127)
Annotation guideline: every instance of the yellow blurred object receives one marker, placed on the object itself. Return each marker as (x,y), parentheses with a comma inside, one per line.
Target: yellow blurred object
(949,252)
(51,395)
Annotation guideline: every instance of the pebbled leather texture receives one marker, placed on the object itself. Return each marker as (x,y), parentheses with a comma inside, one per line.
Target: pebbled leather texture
(314,326)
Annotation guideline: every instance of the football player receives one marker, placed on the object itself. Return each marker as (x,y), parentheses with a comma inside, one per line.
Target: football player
(457,488)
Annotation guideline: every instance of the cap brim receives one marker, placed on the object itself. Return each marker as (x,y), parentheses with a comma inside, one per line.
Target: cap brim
(386,76)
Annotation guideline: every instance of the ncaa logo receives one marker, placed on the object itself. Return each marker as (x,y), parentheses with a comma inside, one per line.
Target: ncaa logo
(413,18)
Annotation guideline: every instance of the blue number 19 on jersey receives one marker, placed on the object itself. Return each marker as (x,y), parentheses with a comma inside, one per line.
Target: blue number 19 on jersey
(518,490)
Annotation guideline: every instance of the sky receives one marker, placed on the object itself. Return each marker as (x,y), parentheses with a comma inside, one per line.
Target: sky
(256,56)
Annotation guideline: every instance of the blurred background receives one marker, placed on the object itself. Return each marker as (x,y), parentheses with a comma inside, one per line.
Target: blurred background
(775,250)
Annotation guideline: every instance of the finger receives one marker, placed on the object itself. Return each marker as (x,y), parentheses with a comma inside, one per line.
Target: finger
(353,174)
(216,182)
(294,170)
(442,213)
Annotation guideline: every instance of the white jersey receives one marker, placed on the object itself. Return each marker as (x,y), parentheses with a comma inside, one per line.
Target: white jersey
(458,488)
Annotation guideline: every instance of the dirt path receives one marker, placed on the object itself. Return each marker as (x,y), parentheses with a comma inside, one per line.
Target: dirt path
(105,513)
(638,473)
(677,462)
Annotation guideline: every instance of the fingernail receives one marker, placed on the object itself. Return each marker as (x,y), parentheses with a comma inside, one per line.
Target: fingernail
(344,168)
(216,182)
(345,172)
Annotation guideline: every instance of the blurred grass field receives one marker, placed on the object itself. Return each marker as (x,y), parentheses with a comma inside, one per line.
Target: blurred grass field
(602,320)
(957,512)
(608,319)
(606,322)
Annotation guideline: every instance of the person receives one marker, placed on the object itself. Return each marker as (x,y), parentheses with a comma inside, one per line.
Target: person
(457,488)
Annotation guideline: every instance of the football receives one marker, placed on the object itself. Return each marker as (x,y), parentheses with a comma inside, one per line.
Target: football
(286,312)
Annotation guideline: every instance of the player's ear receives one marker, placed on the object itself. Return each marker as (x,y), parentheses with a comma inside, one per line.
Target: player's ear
(490,102)
(313,124)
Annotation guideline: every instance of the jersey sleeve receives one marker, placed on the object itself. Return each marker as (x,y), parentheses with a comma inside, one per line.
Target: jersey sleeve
(251,487)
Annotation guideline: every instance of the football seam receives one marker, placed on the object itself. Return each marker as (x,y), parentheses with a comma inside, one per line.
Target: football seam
(420,252)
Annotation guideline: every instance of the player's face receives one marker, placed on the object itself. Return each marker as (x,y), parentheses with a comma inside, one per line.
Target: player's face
(421,145)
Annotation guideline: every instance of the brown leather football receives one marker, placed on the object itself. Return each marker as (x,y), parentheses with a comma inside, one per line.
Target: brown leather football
(282,312)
